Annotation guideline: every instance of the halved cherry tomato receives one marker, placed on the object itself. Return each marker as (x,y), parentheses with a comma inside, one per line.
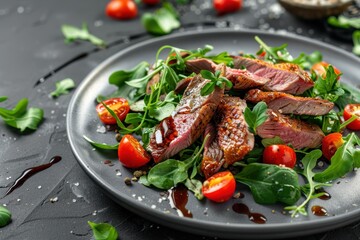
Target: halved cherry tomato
(220,187)
(130,152)
(349,111)
(121,9)
(120,106)
(227,6)
(151,2)
(330,144)
(320,69)
(279,155)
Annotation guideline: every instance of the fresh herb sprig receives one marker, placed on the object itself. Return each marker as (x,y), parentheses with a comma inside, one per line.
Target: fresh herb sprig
(72,33)
(103,231)
(20,116)
(309,162)
(63,87)
(256,117)
(216,80)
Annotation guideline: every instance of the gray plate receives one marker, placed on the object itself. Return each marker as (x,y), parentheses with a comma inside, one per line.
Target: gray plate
(208,218)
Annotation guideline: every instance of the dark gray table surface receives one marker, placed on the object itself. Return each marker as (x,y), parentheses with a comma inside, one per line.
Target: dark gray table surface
(32,48)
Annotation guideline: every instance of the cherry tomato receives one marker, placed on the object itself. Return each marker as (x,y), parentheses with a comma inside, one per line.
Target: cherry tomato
(130,152)
(330,144)
(151,2)
(279,155)
(120,106)
(349,111)
(220,187)
(320,69)
(121,9)
(227,6)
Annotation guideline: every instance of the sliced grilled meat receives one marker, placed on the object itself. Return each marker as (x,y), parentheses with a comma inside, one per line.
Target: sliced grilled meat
(284,77)
(241,79)
(232,140)
(289,104)
(292,131)
(187,123)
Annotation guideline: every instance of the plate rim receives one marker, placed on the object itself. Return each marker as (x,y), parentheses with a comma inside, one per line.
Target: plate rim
(224,228)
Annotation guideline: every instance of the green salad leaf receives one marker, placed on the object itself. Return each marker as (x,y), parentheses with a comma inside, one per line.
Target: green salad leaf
(72,33)
(162,21)
(63,87)
(309,162)
(20,117)
(103,231)
(5,216)
(215,81)
(270,183)
(356,41)
(256,117)
(344,22)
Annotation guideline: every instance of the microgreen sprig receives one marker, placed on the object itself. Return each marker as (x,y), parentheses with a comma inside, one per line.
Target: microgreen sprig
(215,81)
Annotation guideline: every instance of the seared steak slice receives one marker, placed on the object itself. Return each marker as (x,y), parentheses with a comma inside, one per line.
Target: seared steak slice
(289,104)
(232,139)
(241,79)
(213,155)
(187,123)
(285,77)
(292,131)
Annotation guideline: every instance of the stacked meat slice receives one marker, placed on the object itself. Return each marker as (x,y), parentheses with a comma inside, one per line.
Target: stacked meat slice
(221,117)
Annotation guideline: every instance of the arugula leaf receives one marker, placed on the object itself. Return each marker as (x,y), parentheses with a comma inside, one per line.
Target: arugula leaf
(103,231)
(222,57)
(343,160)
(280,54)
(215,80)
(20,117)
(162,21)
(72,33)
(270,183)
(123,79)
(356,41)
(3,98)
(344,22)
(101,145)
(5,216)
(256,117)
(63,87)
(30,119)
(309,162)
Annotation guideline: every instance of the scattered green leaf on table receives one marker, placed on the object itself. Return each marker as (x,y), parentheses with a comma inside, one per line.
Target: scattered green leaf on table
(103,231)
(5,216)
(22,118)
(344,22)
(356,41)
(72,33)
(63,87)
(162,21)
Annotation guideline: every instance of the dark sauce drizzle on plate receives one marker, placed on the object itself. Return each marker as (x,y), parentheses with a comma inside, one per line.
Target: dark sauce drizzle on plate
(27,173)
(179,198)
(254,217)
